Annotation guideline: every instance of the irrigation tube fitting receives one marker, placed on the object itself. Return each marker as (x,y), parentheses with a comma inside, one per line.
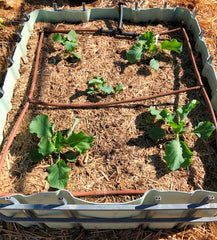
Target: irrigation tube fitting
(119,30)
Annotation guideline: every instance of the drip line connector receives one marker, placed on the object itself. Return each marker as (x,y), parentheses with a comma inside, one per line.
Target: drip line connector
(165,5)
(136,5)
(119,30)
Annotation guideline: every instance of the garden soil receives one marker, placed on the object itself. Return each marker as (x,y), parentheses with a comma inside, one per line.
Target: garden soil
(123,156)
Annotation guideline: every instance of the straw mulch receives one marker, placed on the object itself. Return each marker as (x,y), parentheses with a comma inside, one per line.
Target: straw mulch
(109,165)
(123,156)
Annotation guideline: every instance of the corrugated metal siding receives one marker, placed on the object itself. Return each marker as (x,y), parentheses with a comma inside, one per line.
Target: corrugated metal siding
(155,209)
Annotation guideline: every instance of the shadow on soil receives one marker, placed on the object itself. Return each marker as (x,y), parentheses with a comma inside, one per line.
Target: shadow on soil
(207,152)
(144,122)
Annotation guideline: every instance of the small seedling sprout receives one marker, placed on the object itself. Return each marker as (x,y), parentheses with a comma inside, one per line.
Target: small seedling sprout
(147,45)
(98,85)
(70,43)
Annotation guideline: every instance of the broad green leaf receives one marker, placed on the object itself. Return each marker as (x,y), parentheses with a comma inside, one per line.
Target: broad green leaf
(107,89)
(46,147)
(157,133)
(52,128)
(71,157)
(72,36)
(163,114)
(97,81)
(41,126)
(59,38)
(153,48)
(80,142)
(146,39)
(76,121)
(155,112)
(154,64)
(58,142)
(77,55)
(172,45)
(135,53)
(167,116)
(118,88)
(83,145)
(58,175)
(177,155)
(204,129)
(184,111)
(70,46)
(178,128)
(35,156)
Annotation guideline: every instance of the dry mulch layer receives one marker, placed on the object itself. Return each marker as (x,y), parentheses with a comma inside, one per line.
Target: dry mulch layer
(123,155)
(13,17)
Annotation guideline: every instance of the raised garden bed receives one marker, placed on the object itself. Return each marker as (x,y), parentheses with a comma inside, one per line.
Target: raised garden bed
(123,155)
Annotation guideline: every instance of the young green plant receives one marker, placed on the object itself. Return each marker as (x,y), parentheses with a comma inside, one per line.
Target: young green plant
(70,42)
(52,144)
(99,86)
(177,154)
(147,45)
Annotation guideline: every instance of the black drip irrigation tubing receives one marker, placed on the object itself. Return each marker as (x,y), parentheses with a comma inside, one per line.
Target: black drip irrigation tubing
(104,104)
(107,104)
